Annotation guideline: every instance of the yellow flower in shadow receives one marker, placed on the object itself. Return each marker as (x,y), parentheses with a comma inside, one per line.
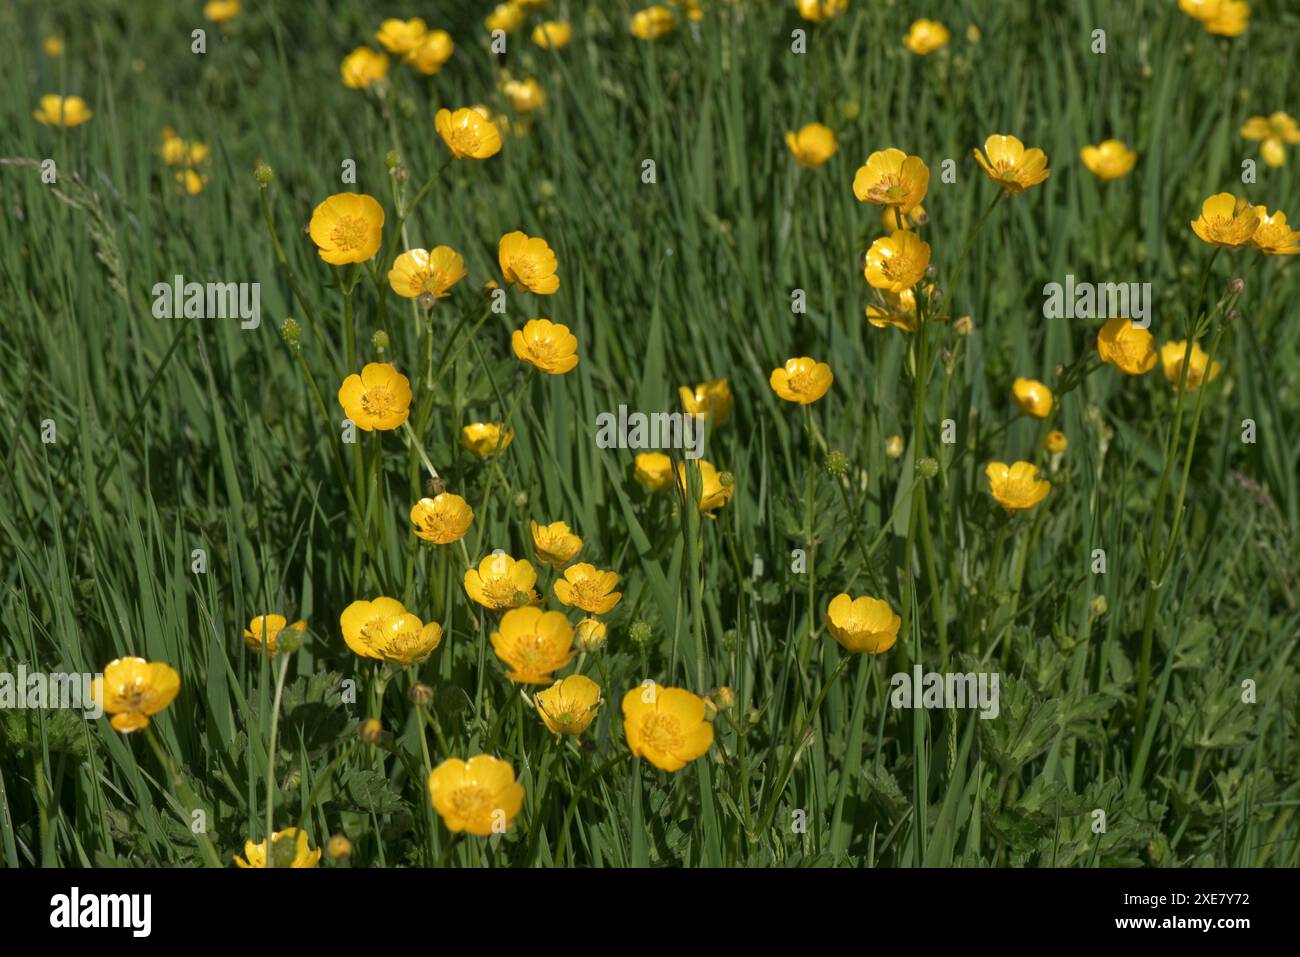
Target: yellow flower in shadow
(262,632)
(569,705)
(486,439)
(289,848)
(556,545)
(1172,356)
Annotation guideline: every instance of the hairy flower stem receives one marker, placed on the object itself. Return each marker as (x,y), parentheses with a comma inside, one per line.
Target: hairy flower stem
(270,758)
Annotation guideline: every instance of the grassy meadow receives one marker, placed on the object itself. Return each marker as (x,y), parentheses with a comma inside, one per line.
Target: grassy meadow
(166,480)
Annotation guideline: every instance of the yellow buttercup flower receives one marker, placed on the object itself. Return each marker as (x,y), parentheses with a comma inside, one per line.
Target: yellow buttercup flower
(1171,360)
(443,519)
(506,16)
(534,643)
(363,67)
(133,689)
(1275,131)
(569,705)
(420,271)
(556,545)
(587,587)
(526,96)
(819,11)
(66,111)
(221,11)
(479,796)
(591,634)
(897,310)
(52,47)
(347,228)
(801,380)
(712,398)
(715,491)
(1274,237)
(666,726)
(384,630)
(1225,18)
(652,23)
(897,262)
(1010,165)
(1056,442)
(894,447)
(379,398)
(862,624)
(190,182)
(501,582)
(401,36)
(529,262)
(486,439)
(289,848)
(1032,397)
(468,134)
(1110,159)
(432,51)
(654,471)
(1226,221)
(552,34)
(1016,487)
(892,178)
(1127,347)
(547,346)
(893,219)
(264,630)
(813,145)
(926,36)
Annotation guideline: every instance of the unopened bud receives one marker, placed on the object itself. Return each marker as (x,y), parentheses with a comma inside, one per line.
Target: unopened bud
(894,446)
(1236,285)
(379,340)
(263,174)
(837,463)
(372,731)
(338,847)
(1097,607)
(591,634)
(640,633)
(420,694)
(964,326)
(927,468)
(391,159)
(290,331)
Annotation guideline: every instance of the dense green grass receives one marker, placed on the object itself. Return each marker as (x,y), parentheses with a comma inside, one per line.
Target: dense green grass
(174,435)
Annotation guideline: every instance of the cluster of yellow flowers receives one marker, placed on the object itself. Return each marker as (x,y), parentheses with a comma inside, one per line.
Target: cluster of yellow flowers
(190,156)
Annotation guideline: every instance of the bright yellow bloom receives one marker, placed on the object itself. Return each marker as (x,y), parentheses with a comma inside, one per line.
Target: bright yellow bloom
(1171,360)
(666,726)
(1127,347)
(801,380)
(401,36)
(548,346)
(1032,397)
(591,634)
(893,219)
(587,587)
(1110,159)
(468,133)
(529,262)
(556,545)
(862,624)
(66,111)
(419,271)
(1010,165)
(347,228)
(132,689)
(712,398)
(552,34)
(652,23)
(262,632)
(1226,221)
(501,582)
(813,145)
(506,16)
(52,47)
(526,96)
(926,36)
(485,439)
(190,182)
(569,705)
(379,398)
(443,519)
(715,491)
(480,796)
(1276,131)
(534,643)
(432,51)
(892,178)
(819,11)
(1056,442)
(654,471)
(1016,487)
(384,630)
(363,67)
(897,262)
(220,11)
(894,446)
(289,848)
(1274,237)
(898,310)
(1225,18)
